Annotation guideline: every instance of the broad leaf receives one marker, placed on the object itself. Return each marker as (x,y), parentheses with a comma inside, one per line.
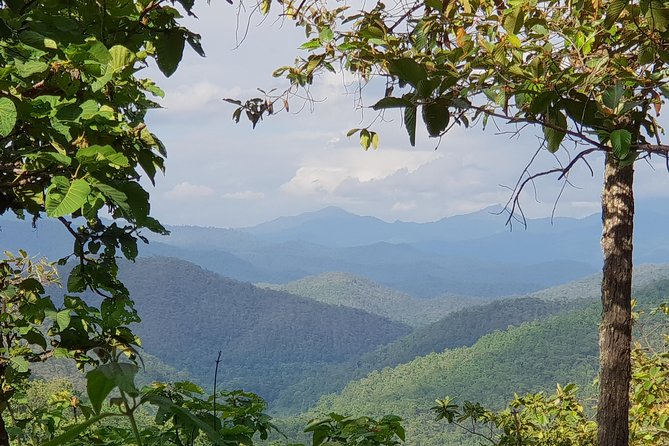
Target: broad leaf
(410,123)
(436,117)
(554,129)
(60,203)
(408,70)
(98,387)
(621,141)
(391,102)
(613,95)
(7,116)
(121,57)
(614,10)
(169,50)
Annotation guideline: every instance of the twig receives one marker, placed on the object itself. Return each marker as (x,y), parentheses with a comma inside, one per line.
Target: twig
(218,361)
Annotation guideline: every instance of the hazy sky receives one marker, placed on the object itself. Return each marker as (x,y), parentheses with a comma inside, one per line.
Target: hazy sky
(224,174)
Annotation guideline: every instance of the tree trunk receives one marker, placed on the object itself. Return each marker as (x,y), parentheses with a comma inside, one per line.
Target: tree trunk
(615,331)
(4,436)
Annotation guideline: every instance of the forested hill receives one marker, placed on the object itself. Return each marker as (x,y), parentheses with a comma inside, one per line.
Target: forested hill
(339,288)
(459,329)
(268,339)
(528,358)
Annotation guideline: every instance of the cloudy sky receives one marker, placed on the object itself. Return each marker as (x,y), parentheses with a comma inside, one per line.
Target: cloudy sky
(224,174)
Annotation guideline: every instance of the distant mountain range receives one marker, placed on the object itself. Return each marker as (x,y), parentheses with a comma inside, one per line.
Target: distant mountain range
(473,255)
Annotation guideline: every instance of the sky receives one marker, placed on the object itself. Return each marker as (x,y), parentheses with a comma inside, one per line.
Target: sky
(224,174)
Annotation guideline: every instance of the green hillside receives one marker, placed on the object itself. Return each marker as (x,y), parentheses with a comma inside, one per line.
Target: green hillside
(528,358)
(268,339)
(340,288)
(458,329)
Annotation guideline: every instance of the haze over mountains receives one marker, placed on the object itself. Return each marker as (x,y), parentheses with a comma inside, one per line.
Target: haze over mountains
(470,255)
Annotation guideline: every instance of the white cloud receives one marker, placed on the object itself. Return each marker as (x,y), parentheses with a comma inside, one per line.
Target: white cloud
(188,191)
(325,173)
(244,195)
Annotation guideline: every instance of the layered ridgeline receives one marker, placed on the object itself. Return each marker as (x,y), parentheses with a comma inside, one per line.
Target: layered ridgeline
(424,260)
(345,289)
(267,339)
(459,329)
(528,358)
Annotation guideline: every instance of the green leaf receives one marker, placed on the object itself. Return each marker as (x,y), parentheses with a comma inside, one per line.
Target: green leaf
(436,117)
(408,70)
(121,57)
(375,140)
(514,19)
(7,116)
(555,121)
(542,101)
(169,50)
(365,139)
(410,123)
(391,102)
(63,319)
(20,364)
(612,96)
(102,154)
(60,203)
(621,141)
(616,7)
(36,338)
(326,35)
(311,45)
(98,387)
(76,282)
(30,67)
(657,14)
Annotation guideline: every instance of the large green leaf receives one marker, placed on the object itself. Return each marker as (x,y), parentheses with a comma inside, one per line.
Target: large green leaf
(554,129)
(614,10)
(391,102)
(621,141)
(169,50)
(60,203)
(408,71)
(514,19)
(436,117)
(7,116)
(98,387)
(410,123)
(613,95)
(121,57)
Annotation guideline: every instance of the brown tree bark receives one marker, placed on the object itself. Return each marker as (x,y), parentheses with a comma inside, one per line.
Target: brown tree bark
(615,331)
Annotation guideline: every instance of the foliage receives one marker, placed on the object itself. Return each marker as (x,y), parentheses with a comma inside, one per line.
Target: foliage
(555,420)
(529,358)
(179,414)
(560,419)
(590,71)
(350,431)
(74,147)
